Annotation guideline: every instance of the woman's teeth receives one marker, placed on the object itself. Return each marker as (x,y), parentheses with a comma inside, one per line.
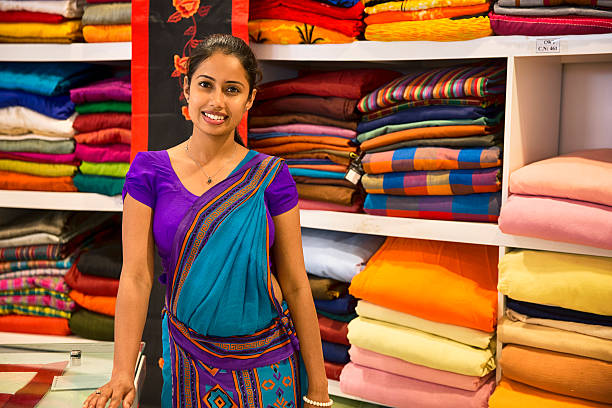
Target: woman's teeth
(213,117)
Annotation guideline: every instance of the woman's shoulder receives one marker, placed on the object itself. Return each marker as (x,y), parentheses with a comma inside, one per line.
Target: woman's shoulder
(152,157)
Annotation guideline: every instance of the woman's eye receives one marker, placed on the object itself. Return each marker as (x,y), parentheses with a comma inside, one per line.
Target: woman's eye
(205,84)
(232,89)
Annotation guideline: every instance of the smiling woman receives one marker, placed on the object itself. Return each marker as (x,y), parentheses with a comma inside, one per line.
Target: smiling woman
(239,324)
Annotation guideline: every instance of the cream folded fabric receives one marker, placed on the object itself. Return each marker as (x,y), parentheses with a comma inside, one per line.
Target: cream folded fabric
(67,8)
(578,282)
(17,120)
(420,348)
(471,337)
(604,332)
(549,338)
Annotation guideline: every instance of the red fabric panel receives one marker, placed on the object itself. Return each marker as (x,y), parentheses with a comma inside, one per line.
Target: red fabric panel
(35,390)
(140,76)
(312,6)
(333,370)
(90,122)
(30,17)
(90,284)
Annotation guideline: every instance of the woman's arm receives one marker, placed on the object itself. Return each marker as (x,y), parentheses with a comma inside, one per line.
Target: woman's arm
(132,303)
(289,262)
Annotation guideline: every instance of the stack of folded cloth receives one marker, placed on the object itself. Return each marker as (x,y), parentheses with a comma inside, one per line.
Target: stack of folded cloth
(332,258)
(574,187)
(425,332)
(305,21)
(317,147)
(37,249)
(94,280)
(428,20)
(556,17)
(107,21)
(557,330)
(36,21)
(36,119)
(103,145)
(433,144)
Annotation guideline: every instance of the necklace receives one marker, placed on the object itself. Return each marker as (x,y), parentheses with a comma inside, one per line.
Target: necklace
(209,179)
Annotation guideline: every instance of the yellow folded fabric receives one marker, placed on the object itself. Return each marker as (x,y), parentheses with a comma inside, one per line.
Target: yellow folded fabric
(578,282)
(549,338)
(67,31)
(270,31)
(107,33)
(443,29)
(420,348)
(465,335)
(411,5)
(37,169)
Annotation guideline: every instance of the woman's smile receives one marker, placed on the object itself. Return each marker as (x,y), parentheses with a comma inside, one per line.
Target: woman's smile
(214,119)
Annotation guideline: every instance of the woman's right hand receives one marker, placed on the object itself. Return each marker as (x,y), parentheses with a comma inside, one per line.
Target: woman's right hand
(119,388)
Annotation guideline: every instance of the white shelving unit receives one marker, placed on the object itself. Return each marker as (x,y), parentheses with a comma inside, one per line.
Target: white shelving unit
(90,52)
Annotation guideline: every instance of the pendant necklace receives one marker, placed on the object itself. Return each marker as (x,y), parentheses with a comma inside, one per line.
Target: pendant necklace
(209,179)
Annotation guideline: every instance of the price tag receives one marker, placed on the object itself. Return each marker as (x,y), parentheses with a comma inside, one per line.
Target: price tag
(548,46)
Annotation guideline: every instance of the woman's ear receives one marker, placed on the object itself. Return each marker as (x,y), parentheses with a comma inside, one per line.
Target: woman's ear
(251,100)
(186,88)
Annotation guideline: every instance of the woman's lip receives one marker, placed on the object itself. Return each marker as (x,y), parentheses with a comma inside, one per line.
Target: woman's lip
(211,120)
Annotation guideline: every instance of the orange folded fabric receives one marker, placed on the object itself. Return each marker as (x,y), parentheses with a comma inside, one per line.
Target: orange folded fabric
(300,147)
(323,167)
(56,326)
(275,141)
(105,136)
(328,194)
(107,33)
(19,181)
(313,154)
(432,132)
(511,394)
(447,282)
(99,304)
(427,14)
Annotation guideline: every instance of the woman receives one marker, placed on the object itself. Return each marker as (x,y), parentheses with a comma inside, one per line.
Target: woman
(226,226)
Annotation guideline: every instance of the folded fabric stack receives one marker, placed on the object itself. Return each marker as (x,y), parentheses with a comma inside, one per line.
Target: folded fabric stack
(433,144)
(426,20)
(574,187)
(425,332)
(551,17)
(332,258)
(94,280)
(305,21)
(36,21)
(103,144)
(314,131)
(37,148)
(37,249)
(107,21)
(557,330)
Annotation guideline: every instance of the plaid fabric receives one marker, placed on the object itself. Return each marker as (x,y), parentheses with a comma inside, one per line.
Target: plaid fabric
(33,311)
(431,158)
(52,283)
(24,265)
(441,182)
(38,297)
(455,82)
(482,207)
(34,272)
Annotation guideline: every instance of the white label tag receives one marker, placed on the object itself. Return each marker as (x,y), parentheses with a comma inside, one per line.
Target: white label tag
(548,46)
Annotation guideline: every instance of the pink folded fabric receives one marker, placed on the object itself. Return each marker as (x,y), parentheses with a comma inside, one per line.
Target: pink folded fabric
(117,153)
(69,158)
(321,206)
(533,216)
(112,89)
(303,128)
(397,391)
(370,359)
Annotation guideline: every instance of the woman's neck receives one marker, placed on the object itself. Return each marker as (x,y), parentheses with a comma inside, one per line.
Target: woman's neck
(207,149)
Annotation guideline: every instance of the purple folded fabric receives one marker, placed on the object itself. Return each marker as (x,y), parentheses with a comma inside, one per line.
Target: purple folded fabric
(69,158)
(112,89)
(117,153)
(367,358)
(397,391)
(302,128)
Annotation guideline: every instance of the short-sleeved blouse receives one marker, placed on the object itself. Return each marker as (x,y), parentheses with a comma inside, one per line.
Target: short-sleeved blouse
(152,181)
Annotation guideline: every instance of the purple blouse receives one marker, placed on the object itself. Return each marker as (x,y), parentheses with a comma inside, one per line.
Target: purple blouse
(152,181)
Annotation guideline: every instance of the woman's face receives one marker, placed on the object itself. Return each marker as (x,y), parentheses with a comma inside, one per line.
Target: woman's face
(218,95)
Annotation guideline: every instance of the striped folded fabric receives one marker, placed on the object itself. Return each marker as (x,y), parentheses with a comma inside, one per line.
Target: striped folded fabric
(37,297)
(441,182)
(482,207)
(32,310)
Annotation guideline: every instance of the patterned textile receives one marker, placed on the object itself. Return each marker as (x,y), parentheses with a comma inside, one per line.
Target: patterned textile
(31,310)
(427,14)
(66,32)
(431,158)
(34,272)
(114,13)
(353,12)
(51,283)
(549,3)
(471,207)
(10,180)
(37,297)
(107,33)
(270,31)
(25,265)
(57,107)
(533,26)
(37,169)
(477,80)
(551,11)
(441,182)
(409,5)
(42,252)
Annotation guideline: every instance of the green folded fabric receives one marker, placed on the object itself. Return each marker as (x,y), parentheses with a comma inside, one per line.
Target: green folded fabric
(340,318)
(38,169)
(92,325)
(105,169)
(106,106)
(109,186)
(62,146)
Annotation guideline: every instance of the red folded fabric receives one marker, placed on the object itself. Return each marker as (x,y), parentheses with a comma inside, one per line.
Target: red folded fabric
(349,83)
(333,331)
(50,158)
(105,136)
(333,370)
(30,17)
(89,122)
(90,284)
(344,13)
(553,25)
(56,326)
(115,153)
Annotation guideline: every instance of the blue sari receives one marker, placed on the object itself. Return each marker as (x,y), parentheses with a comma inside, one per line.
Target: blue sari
(227,340)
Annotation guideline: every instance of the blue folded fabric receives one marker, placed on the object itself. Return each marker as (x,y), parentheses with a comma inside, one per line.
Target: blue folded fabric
(341,3)
(557,313)
(424,113)
(58,107)
(49,78)
(340,306)
(336,353)
(316,173)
